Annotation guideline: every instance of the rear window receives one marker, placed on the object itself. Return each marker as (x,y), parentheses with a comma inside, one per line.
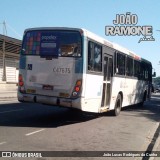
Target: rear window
(52,43)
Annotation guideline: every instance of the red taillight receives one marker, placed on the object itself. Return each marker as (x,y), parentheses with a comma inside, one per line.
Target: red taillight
(21,83)
(79,83)
(77,88)
(20,78)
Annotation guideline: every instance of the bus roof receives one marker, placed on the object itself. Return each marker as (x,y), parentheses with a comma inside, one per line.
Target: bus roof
(114,45)
(111,44)
(91,35)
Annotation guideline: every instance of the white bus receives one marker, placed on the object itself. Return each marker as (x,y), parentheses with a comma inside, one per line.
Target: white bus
(75,68)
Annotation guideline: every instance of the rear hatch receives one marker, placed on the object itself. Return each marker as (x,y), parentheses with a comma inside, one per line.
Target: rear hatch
(53,62)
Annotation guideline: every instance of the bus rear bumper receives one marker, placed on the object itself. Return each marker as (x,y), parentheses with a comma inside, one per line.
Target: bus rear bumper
(80,103)
(65,102)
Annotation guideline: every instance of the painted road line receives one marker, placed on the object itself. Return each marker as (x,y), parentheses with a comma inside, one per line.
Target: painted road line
(2,143)
(17,110)
(28,134)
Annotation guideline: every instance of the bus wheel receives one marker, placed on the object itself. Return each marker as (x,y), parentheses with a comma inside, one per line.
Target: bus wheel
(141,104)
(118,106)
(21,101)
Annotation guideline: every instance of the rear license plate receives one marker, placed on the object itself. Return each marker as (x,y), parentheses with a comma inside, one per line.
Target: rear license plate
(47,87)
(31,91)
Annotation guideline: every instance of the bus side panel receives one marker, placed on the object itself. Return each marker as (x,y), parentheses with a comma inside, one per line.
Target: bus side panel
(128,94)
(139,89)
(92,92)
(132,91)
(118,86)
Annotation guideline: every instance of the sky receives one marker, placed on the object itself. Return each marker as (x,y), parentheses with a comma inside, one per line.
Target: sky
(92,15)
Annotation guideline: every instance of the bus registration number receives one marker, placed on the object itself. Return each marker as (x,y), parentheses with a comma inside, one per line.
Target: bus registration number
(47,87)
(61,70)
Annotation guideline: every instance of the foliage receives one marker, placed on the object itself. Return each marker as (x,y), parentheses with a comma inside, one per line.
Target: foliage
(156,80)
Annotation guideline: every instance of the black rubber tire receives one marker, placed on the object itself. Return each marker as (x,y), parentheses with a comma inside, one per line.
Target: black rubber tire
(21,101)
(141,104)
(118,105)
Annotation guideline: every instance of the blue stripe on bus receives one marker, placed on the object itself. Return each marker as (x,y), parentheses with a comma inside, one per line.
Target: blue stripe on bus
(22,64)
(79,66)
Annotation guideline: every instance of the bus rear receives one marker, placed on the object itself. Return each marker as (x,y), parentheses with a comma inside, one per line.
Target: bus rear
(51,66)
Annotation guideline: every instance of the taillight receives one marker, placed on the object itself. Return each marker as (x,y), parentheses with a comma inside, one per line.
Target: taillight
(77,88)
(21,84)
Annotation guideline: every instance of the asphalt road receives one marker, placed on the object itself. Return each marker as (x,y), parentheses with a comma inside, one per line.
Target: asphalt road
(36,127)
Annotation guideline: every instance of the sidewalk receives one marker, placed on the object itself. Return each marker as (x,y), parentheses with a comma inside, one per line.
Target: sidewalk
(156,148)
(5,95)
(8,91)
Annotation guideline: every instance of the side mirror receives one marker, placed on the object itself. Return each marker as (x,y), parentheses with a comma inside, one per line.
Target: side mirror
(154,74)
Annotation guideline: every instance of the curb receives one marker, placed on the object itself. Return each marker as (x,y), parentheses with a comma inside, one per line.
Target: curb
(6,95)
(6,98)
(4,91)
(156,139)
(157,144)
(151,140)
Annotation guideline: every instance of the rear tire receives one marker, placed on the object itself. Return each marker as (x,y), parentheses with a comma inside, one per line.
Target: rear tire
(118,105)
(21,101)
(141,104)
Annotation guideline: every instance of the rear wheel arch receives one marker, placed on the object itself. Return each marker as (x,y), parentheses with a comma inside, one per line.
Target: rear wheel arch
(145,96)
(141,104)
(121,93)
(118,104)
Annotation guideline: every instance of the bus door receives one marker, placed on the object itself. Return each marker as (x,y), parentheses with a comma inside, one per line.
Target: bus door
(107,73)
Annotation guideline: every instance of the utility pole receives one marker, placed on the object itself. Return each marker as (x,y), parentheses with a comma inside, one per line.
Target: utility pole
(3,51)
(4,28)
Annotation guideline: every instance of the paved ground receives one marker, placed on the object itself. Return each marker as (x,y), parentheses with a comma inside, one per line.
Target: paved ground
(36,127)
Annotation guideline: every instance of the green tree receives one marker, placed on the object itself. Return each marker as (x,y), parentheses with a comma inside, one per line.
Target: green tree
(156,80)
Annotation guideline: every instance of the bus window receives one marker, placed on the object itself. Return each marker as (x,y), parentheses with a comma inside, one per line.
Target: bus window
(137,68)
(129,66)
(52,43)
(94,57)
(120,64)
